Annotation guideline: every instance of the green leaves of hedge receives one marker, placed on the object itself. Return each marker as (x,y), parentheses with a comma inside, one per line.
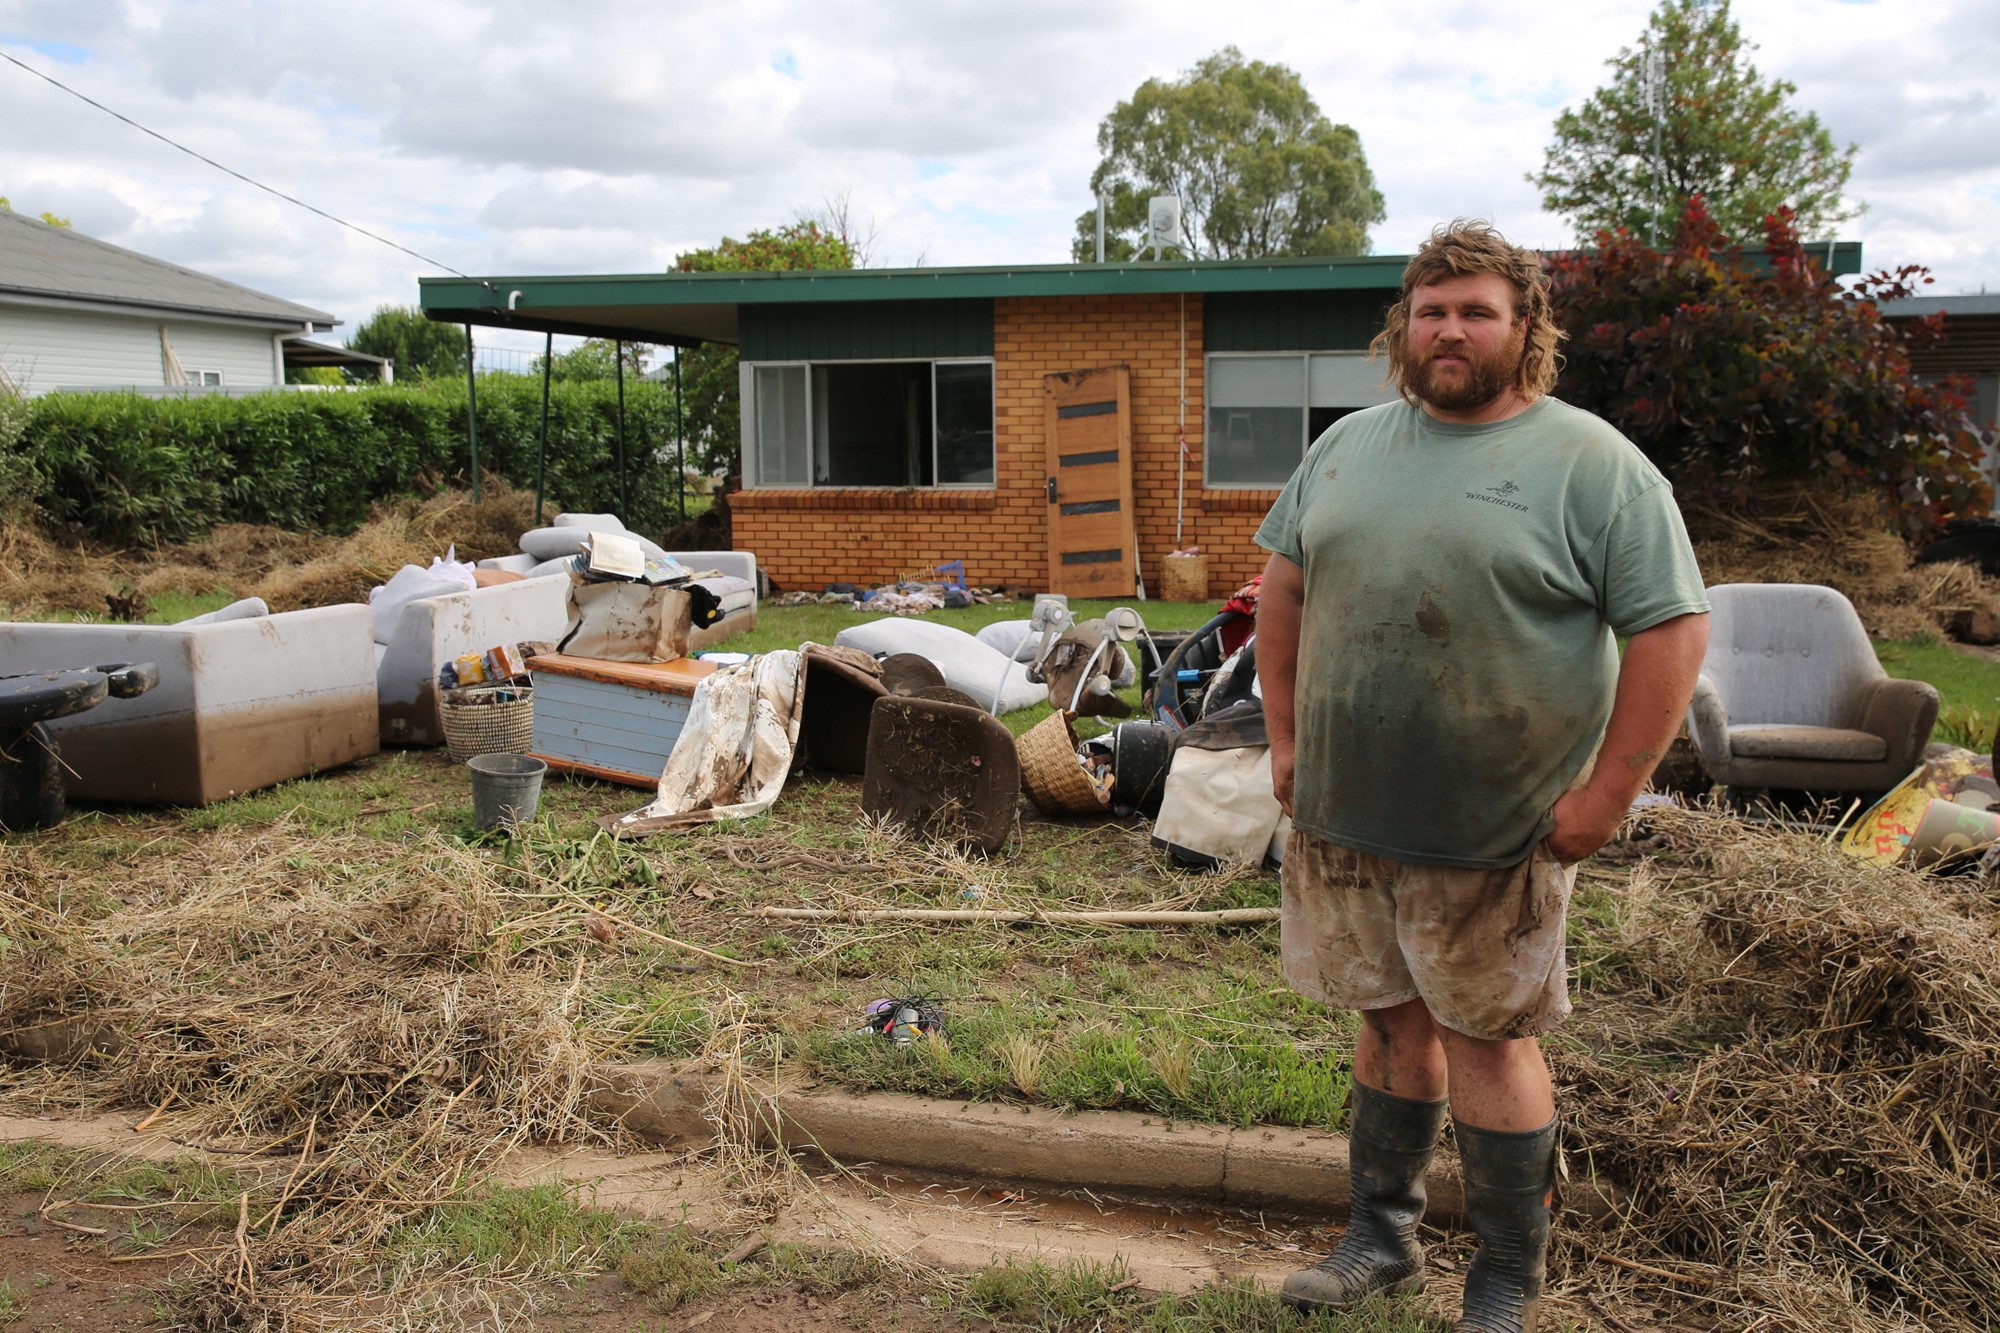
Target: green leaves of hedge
(136,470)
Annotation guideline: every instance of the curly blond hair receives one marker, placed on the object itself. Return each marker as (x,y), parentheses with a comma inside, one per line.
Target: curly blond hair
(1467,246)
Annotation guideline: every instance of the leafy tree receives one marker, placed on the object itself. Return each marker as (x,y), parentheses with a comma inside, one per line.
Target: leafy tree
(420,348)
(594,359)
(798,245)
(1730,368)
(1725,133)
(709,390)
(1259,170)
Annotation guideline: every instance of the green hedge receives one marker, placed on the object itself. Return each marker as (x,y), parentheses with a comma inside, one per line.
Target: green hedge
(133,470)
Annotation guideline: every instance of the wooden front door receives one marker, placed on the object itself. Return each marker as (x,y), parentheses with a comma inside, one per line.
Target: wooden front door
(1089,430)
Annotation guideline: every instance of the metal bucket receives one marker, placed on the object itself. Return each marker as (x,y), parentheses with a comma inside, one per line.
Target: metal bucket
(506,788)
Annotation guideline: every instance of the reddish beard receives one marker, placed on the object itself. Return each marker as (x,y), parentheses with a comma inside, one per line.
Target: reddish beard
(1484,379)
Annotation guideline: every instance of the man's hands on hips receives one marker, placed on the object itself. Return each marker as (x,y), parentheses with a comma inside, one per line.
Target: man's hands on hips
(1585,821)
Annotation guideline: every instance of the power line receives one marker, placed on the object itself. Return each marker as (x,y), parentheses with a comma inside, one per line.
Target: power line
(434,263)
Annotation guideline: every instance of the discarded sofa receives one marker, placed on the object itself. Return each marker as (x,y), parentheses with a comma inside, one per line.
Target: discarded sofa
(730,575)
(425,633)
(1791,695)
(241,703)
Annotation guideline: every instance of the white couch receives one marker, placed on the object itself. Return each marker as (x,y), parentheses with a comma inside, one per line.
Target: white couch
(436,630)
(735,582)
(241,704)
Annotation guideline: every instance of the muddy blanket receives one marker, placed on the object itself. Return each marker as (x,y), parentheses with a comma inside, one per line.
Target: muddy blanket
(738,744)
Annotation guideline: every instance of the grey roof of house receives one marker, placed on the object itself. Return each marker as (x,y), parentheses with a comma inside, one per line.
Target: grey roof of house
(1966,303)
(58,263)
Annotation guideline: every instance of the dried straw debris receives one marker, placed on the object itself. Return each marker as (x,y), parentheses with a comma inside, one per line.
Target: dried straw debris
(359,1024)
(1798,534)
(1791,1075)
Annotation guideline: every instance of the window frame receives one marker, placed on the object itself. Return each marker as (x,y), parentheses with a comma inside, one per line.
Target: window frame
(992,423)
(1305,359)
(752,457)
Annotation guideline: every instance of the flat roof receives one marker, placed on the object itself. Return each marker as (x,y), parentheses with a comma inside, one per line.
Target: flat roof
(685,309)
(1966,303)
(306,352)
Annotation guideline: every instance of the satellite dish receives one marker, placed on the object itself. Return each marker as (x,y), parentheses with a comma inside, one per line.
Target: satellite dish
(1163,222)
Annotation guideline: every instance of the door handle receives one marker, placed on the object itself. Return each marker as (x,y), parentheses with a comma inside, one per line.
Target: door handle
(1052,490)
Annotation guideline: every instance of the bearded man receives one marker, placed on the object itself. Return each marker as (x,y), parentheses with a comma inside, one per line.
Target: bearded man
(1452,730)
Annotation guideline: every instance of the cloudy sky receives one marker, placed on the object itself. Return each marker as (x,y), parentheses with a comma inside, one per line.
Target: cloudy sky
(606,136)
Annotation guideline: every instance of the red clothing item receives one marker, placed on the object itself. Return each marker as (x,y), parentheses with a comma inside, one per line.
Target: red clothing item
(1237,632)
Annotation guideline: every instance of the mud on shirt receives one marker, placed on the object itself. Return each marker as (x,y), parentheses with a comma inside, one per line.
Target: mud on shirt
(1463,585)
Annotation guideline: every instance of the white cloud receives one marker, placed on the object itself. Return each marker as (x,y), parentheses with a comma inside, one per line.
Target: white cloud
(510,137)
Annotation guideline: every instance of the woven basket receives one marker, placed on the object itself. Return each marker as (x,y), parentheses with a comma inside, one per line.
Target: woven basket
(1049,770)
(474,725)
(1184,578)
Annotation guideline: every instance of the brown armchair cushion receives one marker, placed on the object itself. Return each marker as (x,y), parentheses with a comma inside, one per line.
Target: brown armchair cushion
(1814,743)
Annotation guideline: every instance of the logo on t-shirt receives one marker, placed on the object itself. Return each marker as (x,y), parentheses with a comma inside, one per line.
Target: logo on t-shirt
(1505,488)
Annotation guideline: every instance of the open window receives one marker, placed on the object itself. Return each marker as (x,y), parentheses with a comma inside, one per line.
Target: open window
(871,423)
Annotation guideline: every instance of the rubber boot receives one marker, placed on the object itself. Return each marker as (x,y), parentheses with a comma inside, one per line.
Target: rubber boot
(1389,1144)
(1509,1178)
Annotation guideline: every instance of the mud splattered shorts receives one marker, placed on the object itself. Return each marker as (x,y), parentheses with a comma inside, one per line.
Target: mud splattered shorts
(1482,948)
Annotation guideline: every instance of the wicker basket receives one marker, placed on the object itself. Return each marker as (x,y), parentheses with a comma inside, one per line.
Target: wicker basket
(1184,578)
(477,721)
(1055,781)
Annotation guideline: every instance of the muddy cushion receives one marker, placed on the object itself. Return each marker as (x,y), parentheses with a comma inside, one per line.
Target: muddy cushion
(906,673)
(1793,742)
(965,662)
(945,770)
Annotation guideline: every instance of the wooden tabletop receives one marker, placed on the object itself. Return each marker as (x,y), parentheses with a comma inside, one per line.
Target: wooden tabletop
(678,676)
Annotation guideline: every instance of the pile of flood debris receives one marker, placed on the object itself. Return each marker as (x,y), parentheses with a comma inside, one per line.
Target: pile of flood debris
(1845,541)
(44,571)
(1783,1052)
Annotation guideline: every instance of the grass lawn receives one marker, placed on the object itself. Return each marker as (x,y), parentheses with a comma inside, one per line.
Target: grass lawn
(1191,1023)
(347,958)
(1968,687)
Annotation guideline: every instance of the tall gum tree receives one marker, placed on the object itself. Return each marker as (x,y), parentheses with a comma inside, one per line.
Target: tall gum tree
(1260,171)
(1725,132)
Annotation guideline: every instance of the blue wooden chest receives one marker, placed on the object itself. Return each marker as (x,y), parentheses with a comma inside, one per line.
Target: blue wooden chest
(611,720)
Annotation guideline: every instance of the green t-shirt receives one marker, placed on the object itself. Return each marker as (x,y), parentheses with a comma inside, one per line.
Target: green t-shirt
(1462,588)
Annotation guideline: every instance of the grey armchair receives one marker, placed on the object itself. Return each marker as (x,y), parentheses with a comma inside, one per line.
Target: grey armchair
(1791,695)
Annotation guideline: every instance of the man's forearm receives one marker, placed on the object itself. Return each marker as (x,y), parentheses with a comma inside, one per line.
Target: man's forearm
(1279,606)
(1655,682)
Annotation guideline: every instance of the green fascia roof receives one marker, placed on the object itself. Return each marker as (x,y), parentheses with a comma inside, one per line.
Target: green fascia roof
(690,308)
(701,307)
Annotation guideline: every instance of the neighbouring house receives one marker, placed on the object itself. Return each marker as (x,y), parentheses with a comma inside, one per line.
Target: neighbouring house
(1057,427)
(1970,347)
(77,313)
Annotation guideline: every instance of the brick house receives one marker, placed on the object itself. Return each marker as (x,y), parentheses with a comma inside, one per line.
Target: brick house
(1971,348)
(1054,427)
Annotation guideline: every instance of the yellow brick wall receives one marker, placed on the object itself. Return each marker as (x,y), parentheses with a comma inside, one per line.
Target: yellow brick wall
(808,538)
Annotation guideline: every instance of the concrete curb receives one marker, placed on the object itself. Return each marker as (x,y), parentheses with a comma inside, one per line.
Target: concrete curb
(1265,1166)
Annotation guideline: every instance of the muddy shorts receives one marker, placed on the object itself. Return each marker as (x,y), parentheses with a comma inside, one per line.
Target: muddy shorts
(1482,948)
